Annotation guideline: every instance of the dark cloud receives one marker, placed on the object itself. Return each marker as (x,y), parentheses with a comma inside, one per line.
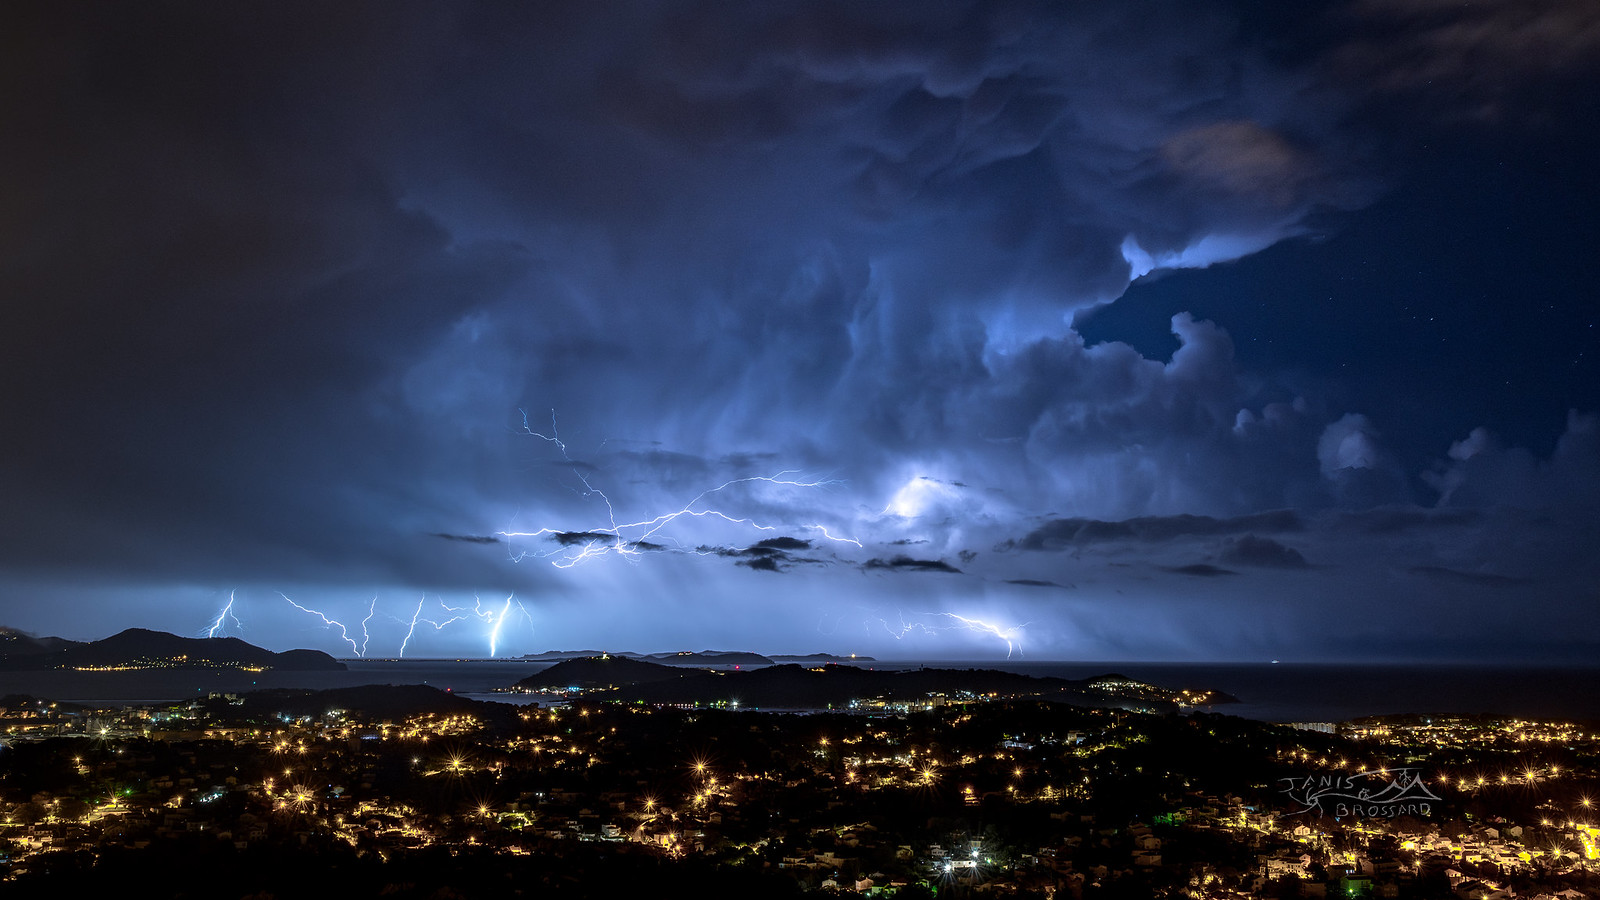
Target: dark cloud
(579,538)
(287,289)
(363,236)
(587,539)
(1250,550)
(769,555)
(1203,570)
(1034,582)
(468,538)
(907,564)
(782,543)
(1477,63)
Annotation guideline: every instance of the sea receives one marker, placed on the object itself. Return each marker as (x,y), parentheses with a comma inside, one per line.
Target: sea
(1271,692)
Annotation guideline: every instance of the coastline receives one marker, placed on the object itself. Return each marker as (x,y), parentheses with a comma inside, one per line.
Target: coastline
(1287,692)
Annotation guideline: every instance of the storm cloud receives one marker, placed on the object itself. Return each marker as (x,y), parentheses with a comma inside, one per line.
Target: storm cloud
(1251,550)
(604,299)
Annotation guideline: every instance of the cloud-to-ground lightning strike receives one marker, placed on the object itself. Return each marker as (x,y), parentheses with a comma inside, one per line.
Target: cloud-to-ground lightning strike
(220,622)
(1011,635)
(494,633)
(493,620)
(372,610)
(413,627)
(628,545)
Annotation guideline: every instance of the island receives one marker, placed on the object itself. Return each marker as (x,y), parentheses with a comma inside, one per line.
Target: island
(138,649)
(791,686)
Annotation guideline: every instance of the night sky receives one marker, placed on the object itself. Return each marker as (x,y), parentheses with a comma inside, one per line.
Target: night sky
(1136,330)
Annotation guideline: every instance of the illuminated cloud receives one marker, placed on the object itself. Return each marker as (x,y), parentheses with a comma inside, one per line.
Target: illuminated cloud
(541,300)
(1483,471)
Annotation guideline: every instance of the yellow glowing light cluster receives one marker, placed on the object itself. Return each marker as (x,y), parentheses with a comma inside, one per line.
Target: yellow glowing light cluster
(181,661)
(1589,837)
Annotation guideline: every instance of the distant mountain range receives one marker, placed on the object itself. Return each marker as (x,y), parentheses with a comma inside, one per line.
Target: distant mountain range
(140,648)
(817,687)
(697,657)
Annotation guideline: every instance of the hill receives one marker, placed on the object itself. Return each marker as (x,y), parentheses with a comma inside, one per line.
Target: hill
(141,648)
(557,655)
(374,702)
(603,672)
(710,658)
(20,644)
(819,658)
(833,686)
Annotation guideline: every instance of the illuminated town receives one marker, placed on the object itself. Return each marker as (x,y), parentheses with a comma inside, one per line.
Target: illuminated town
(661,450)
(417,791)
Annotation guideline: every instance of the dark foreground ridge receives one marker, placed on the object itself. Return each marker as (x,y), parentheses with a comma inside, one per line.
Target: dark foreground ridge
(141,648)
(833,686)
(370,702)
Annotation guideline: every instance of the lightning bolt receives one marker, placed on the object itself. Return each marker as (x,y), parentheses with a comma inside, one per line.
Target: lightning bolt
(612,539)
(494,633)
(344,633)
(831,537)
(220,622)
(1011,635)
(413,629)
(365,637)
(439,626)
(494,621)
(553,437)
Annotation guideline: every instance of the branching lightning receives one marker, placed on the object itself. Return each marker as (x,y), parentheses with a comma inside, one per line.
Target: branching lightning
(952,622)
(494,620)
(219,624)
(626,539)
(344,633)
(1012,636)
(439,626)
